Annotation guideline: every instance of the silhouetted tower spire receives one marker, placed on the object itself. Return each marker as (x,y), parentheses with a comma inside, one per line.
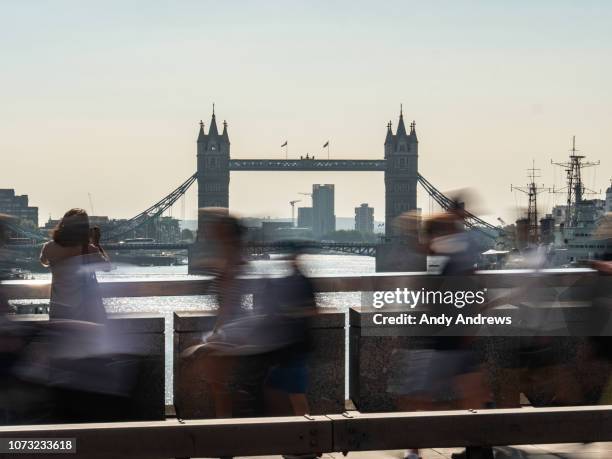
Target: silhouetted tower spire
(225,135)
(401,129)
(213,131)
(201,134)
(389,138)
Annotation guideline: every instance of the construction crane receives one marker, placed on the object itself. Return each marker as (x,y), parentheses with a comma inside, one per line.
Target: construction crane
(293,203)
(91,204)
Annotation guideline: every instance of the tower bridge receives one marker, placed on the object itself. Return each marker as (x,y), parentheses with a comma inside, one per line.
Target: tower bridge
(214,164)
(400,167)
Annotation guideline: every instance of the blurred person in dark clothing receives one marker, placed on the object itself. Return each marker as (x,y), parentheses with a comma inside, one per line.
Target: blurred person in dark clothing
(403,251)
(600,347)
(447,373)
(217,353)
(12,341)
(291,302)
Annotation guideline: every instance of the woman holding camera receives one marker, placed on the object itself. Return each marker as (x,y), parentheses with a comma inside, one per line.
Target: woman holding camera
(74,255)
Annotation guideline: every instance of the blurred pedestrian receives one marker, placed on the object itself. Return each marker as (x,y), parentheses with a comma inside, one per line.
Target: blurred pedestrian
(217,353)
(292,306)
(74,255)
(447,373)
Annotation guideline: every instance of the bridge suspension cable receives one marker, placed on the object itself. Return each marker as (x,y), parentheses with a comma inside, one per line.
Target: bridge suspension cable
(25,233)
(471,220)
(152,212)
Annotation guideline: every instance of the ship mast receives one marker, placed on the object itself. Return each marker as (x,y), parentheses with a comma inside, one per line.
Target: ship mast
(532,191)
(574,189)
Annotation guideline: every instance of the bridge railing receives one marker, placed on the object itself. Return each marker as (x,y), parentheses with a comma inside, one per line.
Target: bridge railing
(367,430)
(326,434)
(580,279)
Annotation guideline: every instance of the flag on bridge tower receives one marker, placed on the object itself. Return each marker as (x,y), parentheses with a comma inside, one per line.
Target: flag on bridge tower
(326,145)
(286,149)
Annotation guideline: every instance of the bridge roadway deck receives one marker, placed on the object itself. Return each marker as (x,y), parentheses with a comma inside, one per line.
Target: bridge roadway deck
(309,164)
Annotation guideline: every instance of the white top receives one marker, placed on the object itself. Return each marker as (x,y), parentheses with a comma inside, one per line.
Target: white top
(68,266)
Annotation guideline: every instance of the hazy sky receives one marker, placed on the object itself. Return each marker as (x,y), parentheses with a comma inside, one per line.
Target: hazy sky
(105,97)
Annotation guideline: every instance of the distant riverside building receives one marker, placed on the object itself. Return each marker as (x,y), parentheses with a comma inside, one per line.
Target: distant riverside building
(166,230)
(304,219)
(266,230)
(17,206)
(323,213)
(99,220)
(272,231)
(94,220)
(290,232)
(364,219)
(609,199)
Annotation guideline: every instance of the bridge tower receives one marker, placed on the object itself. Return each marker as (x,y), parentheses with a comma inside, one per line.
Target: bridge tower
(401,172)
(213,165)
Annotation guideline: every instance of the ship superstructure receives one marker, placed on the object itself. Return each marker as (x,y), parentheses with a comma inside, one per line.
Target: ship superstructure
(571,233)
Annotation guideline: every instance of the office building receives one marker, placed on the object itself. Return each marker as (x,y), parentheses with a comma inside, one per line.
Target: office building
(364,219)
(304,217)
(17,206)
(323,214)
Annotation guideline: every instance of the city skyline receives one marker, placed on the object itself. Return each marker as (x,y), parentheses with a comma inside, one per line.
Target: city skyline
(191,213)
(123,102)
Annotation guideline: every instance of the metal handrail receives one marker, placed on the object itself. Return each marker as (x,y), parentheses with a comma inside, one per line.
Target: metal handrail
(200,285)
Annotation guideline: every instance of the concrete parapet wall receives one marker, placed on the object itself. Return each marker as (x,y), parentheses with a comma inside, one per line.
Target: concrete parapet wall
(146,332)
(372,361)
(397,257)
(129,371)
(326,365)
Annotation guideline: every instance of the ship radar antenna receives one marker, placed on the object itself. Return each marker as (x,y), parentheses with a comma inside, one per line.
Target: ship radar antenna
(574,188)
(532,190)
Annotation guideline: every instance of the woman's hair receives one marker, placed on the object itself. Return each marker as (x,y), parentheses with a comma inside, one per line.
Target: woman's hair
(441,224)
(73,229)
